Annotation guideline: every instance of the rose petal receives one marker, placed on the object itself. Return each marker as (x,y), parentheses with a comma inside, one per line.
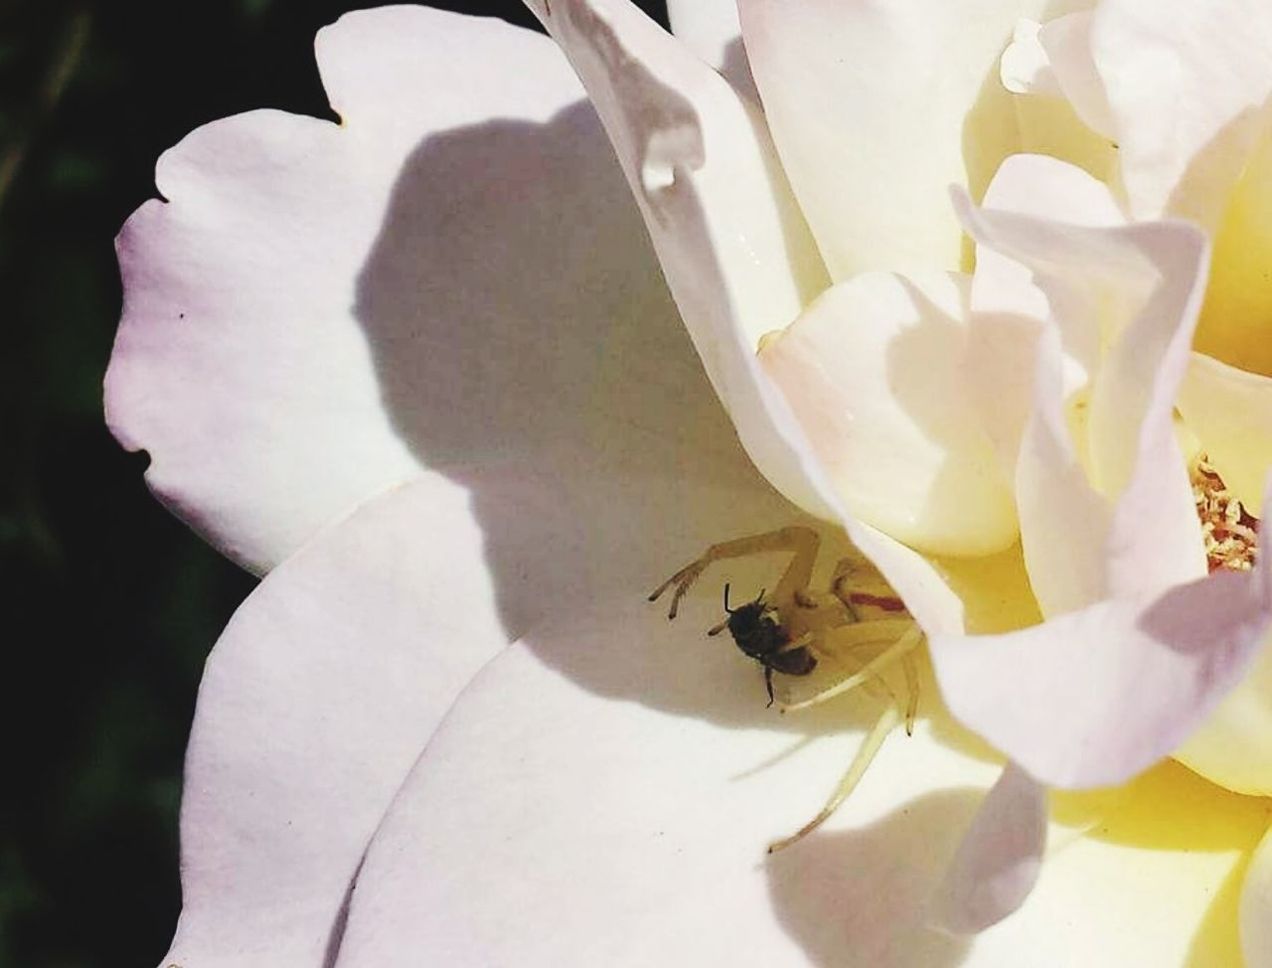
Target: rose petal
(1143,283)
(732,243)
(314,299)
(315,701)
(334,673)
(1256,903)
(601,806)
(874,108)
(1184,83)
(1055,59)
(876,372)
(709,27)
(613,830)
(999,860)
(1094,696)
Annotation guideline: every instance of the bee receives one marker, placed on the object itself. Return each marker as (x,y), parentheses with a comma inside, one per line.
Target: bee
(758,631)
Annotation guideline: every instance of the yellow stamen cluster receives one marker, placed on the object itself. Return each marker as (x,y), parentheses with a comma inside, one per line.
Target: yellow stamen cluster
(1231,533)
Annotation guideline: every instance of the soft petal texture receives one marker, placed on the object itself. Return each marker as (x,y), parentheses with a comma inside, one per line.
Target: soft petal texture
(1094,696)
(312,296)
(998,862)
(1185,82)
(630,826)
(306,723)
(1256,908)
(1230,411)
(1143,284)
(877,372)
(709,27)
(872,108)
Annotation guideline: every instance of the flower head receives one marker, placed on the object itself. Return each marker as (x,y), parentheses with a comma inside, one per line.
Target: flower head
(422,368)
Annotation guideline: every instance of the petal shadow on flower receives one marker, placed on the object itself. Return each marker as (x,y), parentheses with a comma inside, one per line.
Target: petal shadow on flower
(527,348)
(844,918)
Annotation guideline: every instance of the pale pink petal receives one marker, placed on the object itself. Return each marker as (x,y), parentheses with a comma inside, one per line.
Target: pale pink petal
(1143,283)
(876,372)
(1230,411)
(1185,82)
(618,815)
(626,822)
(876,109)
(315,701)
(999,860)
(1256,908)
(332,676)
(1094,696)
(305,310)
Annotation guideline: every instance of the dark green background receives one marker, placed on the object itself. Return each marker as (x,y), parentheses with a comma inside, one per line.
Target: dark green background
(119,602)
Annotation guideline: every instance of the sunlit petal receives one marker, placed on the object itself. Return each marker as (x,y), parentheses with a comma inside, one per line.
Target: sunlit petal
(878,372)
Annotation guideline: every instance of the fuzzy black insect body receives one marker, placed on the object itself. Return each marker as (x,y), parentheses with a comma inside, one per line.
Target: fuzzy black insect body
(758,633)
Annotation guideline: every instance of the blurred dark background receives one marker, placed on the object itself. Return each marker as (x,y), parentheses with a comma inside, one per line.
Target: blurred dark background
(120,602)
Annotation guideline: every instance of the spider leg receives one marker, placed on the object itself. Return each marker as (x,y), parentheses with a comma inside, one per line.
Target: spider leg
(911,669)
(801,542)
(866,753)
(908,641)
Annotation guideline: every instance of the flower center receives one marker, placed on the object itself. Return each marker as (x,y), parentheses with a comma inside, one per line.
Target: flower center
(1231,533)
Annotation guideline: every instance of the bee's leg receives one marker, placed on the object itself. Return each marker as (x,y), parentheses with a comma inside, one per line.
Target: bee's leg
(870,746)
(802,543)
(862,590)
(768,684)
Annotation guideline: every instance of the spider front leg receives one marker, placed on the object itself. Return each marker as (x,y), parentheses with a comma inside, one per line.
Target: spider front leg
(802,543)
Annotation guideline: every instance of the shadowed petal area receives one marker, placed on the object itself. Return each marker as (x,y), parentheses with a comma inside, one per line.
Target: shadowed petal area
(732,242)
(998,862)
(315,701)
(250,358)
(549,825)
(733,246)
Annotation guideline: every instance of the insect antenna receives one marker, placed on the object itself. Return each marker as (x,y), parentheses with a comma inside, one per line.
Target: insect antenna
(717,629)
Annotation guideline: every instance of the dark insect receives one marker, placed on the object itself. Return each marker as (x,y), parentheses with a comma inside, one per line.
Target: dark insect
(758,633)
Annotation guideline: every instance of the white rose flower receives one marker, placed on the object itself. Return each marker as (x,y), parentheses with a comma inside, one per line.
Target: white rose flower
(422,366)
